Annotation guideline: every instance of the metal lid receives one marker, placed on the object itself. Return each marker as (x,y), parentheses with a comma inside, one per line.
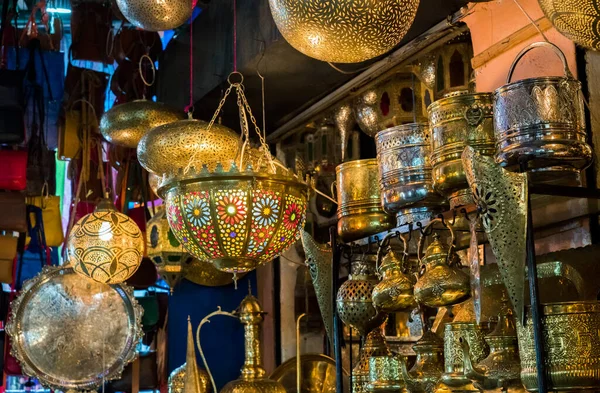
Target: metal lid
(429,341)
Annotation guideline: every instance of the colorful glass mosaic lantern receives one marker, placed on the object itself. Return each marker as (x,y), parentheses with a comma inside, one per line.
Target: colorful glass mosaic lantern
(240,217)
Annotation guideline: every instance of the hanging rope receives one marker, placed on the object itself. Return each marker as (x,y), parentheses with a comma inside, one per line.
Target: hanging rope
(189,109)
(234,35)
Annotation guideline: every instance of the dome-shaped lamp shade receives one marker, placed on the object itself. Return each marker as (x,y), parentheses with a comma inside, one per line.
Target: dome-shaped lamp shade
(343,31)
(105,246)
(578,20)
(156,15)
(127,123)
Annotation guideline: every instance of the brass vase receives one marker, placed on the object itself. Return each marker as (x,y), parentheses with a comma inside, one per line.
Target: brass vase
(501,369)
(385,375)
(354,298)
(395,291)
(441,282)
(429,365)
(374,345)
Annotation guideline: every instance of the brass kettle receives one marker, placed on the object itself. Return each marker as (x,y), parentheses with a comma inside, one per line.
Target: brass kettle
(441,282)
(501,369)
(429,365)
(395,291)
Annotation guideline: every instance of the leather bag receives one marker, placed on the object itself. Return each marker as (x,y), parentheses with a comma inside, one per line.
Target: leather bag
(13,212)
(8,252)
(53,231)
(13,173)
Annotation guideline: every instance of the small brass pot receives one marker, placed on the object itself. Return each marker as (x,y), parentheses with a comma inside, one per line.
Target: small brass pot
(395,290)
(385,376)
(571,344)
(359,201)
(405,173)
(458,120)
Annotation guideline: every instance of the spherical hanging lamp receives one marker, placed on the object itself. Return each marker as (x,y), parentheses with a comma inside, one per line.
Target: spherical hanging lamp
(238,213)
(578,20)
(106,246)
(156,15)
(164,249)
(127,123)
(174,147)
(343,31)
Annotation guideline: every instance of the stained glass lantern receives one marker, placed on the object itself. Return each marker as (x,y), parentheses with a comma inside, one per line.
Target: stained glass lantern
(164,249)
(238,220)
(106,246)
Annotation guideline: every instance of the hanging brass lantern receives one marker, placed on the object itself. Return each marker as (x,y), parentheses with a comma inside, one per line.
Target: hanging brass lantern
(204,273)
(156,15)
(127,123)
(174,147)
(164,249)
(375,345)
(575,19)
(237,211)
(345,31)
(106,246)
(354,298)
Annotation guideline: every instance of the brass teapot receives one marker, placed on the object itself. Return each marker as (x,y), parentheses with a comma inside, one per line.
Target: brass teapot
(441,282)
(395,291)
(501,369)
(429,365)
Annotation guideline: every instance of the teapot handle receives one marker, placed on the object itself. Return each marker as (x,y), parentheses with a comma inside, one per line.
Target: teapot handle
(422,238)
(205,320)
(404,251)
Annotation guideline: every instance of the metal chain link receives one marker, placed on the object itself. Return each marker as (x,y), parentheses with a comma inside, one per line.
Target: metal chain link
(216,114)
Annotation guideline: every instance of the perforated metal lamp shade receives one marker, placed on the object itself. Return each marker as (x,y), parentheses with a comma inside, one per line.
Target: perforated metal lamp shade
(105,246)
(578,20)
(343,31)
(156,15)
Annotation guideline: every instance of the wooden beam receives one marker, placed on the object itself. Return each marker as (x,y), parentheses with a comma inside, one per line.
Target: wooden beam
(510,42)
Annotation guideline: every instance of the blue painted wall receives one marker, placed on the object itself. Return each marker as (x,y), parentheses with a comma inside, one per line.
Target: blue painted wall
(222,338)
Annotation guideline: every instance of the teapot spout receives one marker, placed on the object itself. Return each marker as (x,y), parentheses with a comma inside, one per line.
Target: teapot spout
(404,370)
(470,371)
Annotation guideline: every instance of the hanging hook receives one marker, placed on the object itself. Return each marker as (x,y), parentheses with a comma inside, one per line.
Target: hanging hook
(410,231)
(453,217)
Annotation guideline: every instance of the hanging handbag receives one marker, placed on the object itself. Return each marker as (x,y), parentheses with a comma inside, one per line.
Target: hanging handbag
(69,142)
(91,24)
(85,84)
(37,254)
(13,176)
(50,205)
(13,212)
(8,252)
(11,365)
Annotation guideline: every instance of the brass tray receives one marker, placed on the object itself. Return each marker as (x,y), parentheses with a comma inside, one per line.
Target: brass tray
(318,374)
(73,333)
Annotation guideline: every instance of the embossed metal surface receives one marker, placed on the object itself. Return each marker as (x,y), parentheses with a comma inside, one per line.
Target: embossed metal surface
(405,172)
(541,119)
(393,102)
(354,298)
(172,147)
(575,19)
(453,353)
(156,15)
(206,274)
(176,381)
(457,121)
(571,344)
(375,345)
(395,290)
(501,197)
(73,333)
(127,123)
(359,200)
(343,31)
(429,365)
(318,374)
(318,260)
(385,376)
(344,120)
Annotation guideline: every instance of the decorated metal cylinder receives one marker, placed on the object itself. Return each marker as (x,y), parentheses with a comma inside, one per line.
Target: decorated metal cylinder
(405,172)
(385,375)
(540,122)
(453,353)
(359,200)
(460,119)
(571,343)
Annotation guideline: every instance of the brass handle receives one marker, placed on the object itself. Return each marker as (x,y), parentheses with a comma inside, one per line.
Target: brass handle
(422,238)
(532,46)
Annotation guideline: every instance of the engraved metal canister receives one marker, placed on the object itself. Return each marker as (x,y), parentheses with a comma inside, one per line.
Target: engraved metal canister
(541,120)
(571,344)
(405,173)
(359,200)
(453,354)
(460,119)
(385,375)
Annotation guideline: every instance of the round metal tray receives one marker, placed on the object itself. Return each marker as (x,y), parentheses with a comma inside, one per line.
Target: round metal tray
(73,333)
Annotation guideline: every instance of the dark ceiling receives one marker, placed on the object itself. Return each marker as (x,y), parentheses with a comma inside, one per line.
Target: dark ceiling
(292,80)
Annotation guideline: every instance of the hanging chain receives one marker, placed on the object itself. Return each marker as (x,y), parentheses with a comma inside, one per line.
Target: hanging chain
(216,114)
